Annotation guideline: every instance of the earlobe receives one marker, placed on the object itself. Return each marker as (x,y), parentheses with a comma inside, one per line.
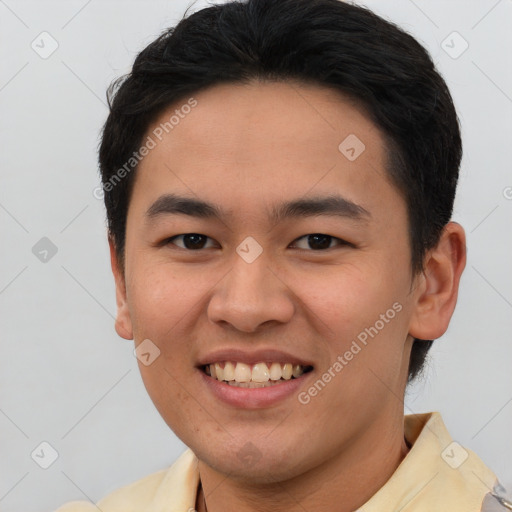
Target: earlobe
(123,323)
(439,284)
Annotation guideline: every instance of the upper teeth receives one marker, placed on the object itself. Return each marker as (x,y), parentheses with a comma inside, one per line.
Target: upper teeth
(260,372)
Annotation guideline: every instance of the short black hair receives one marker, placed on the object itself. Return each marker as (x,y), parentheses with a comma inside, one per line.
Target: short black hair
(328,43)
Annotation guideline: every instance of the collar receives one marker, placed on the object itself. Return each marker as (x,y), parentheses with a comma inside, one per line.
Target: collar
(436,474)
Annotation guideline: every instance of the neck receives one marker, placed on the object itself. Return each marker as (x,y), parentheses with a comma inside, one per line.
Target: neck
(343,483)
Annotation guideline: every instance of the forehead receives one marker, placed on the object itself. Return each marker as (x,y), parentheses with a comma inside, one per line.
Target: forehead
(265,140)
(237,119)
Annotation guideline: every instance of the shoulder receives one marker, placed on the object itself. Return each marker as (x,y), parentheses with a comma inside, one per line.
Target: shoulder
(127,498)
(77,506)
(178,481)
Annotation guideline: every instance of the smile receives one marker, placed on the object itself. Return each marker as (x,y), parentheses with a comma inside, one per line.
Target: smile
(262,374)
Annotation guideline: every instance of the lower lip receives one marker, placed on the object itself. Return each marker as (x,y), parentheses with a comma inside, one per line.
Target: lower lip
(253,398)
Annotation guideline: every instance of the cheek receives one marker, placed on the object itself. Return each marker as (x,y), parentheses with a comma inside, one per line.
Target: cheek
(347,297)
(161,298)
(173,397)
(360,312)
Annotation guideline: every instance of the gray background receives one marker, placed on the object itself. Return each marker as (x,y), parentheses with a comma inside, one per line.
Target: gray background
(66,377)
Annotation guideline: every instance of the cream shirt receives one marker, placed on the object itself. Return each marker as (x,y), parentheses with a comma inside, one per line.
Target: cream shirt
(436,475)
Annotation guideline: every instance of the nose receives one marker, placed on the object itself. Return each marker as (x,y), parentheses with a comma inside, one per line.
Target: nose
(251,296)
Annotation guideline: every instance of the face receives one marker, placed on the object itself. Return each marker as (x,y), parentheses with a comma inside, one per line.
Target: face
(264,237)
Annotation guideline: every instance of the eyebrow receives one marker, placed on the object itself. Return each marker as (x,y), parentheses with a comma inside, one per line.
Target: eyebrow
(332,205)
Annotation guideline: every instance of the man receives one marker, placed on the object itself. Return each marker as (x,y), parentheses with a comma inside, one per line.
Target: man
(279,178)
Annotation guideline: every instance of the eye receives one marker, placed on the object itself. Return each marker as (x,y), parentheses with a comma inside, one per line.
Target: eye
(318,242)
(190,241)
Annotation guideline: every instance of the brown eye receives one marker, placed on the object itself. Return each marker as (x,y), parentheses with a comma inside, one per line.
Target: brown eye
(318,242)
(190,241)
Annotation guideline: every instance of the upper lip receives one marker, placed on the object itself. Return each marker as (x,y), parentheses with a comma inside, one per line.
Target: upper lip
(251,357)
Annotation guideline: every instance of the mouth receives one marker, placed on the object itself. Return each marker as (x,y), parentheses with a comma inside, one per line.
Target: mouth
(259,375)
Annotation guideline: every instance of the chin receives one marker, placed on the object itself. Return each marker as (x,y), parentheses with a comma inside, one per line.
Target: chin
(251,464)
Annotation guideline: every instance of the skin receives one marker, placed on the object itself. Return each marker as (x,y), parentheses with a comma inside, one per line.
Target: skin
(245,148)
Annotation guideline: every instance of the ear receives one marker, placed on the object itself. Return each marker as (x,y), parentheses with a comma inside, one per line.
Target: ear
(123,320)
(438,285)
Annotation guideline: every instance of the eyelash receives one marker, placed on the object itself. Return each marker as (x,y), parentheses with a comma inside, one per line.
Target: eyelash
(341,242)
